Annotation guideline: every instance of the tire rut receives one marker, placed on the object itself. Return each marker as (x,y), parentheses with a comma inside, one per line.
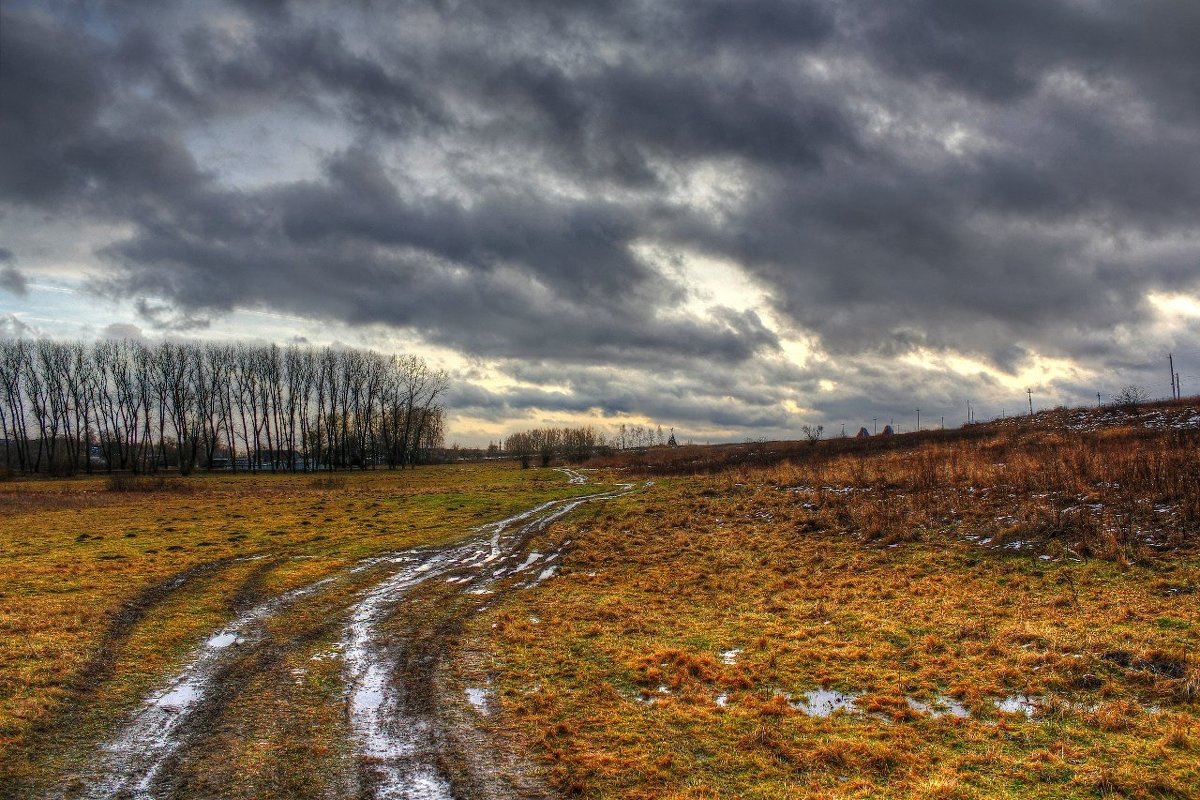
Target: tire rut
(391,695)
(100,667)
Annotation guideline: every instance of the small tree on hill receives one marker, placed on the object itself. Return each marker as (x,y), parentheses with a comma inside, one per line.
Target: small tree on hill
(1130,397)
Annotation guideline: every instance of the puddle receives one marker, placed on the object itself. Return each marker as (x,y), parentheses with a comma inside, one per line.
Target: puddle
(223,639)
(573,476)
(729,657)
(546,574)
(941,706)
(1020,704)
(478,698)
(824,702)
(645,697)
(528,562)
(179,697)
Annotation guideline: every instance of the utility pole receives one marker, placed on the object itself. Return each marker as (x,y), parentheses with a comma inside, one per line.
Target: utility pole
(1174,385)
(1098,403)
(843,430)
(943,422)
(918,420)
(1178,387)
(876,421)
(1030,393)
(968,412)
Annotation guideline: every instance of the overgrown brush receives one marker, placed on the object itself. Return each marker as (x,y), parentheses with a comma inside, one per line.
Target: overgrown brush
(130,482)
(328,482)
(1115,493)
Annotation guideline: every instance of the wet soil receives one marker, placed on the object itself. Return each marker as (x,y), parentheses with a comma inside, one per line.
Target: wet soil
(394,620)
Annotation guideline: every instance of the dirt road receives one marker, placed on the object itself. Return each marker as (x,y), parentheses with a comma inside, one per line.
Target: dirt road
(392,703)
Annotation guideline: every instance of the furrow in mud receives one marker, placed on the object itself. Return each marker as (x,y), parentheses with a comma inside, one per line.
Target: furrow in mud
(133,761)
(133,612)
(395,737)
(391,710)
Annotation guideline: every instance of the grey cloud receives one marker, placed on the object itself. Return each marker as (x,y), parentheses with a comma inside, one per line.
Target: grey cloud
(121,330)
(998,179)
(11,327)
(11,279)
(50,97)
(165,317)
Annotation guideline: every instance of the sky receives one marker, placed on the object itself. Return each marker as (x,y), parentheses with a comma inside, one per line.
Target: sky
(728,217)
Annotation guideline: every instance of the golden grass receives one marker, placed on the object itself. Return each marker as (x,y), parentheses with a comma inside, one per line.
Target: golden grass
(1025,562)
(87,609)
(866,575)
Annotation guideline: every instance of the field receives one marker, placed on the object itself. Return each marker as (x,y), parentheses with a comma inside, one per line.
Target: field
(1008,611)
(108,591)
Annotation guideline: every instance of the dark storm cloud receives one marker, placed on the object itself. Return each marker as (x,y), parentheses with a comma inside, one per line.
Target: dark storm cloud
(997,179)
(11,279)
(684,397)
(50,97)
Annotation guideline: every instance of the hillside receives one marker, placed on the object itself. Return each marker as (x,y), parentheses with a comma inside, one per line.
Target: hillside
(1002,611)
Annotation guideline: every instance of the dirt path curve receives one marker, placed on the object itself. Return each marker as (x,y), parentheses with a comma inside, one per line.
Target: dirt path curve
(395,737)
(391,711)
(133,760)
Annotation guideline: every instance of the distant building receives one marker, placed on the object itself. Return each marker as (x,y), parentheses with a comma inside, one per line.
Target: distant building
(671,442)
(863,433)
(887,430)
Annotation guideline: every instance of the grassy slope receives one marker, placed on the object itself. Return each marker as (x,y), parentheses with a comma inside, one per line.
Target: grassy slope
(87,612)
(878,590)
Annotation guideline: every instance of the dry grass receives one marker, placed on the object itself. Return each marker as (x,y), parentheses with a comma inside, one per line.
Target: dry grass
(1026,562)
(107,589)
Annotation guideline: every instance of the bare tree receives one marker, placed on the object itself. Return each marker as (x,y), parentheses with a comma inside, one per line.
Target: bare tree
(1130,397)
(182,404)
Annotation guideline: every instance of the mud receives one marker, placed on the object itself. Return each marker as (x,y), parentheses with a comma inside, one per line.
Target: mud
(100,667)
(410,740)
(393,711)
(132,762)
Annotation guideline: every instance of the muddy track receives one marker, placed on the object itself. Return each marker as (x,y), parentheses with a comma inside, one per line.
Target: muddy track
(175,777)
(250,593)
(394,699)
(99,668)
(390,663)
(132,764)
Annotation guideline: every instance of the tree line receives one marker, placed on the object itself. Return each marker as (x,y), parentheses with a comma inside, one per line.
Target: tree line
(130,405)
(574,445)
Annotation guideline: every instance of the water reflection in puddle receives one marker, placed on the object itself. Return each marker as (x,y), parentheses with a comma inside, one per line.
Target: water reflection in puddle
(941,706)
(1020,704)
(478,699)
(223,640)
(824,702)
